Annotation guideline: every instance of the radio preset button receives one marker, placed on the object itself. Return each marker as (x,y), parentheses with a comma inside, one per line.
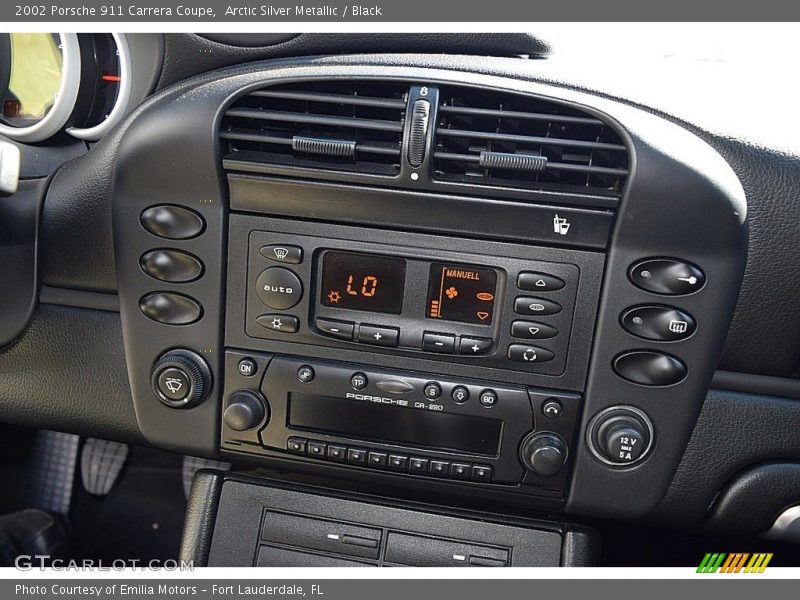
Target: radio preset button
(279,288)
(438,342)
(460,394)
(488,398)
(290,255)
(474,345)
(316,448)
(539,282)
(527,305)
(358,381)
(530,330)
(459,470)
(305,374)
(398,462)
(417,465)
(529,354)
(296,445)
(378,459)
(378,336)
(481,473)
(337,329)
(440,468)
(282,323)
(356,456)
(432,390)
(337,453)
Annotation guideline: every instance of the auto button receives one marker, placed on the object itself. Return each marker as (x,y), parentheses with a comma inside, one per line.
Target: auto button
(279,288)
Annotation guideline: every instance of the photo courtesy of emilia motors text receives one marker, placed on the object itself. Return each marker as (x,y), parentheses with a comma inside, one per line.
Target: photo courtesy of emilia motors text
(500,295)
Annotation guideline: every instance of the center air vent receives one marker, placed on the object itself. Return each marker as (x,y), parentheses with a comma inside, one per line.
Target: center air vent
(341,126)
(510,140)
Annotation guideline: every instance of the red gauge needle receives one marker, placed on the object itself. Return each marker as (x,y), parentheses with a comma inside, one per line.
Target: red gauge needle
(114,78)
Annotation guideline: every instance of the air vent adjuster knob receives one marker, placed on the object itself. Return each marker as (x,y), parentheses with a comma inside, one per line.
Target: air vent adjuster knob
(418,137)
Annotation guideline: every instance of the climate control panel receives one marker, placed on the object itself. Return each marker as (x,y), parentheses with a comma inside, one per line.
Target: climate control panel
(489,305)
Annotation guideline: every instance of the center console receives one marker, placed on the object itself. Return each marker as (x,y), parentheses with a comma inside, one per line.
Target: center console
(458,285)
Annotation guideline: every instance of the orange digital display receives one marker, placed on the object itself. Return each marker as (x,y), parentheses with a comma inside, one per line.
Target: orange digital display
(461,293)
(363,282)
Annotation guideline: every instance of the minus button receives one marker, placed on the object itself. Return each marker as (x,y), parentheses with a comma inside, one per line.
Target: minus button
(338,329)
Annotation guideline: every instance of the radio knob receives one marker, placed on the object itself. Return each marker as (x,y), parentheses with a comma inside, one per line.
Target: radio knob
(245,410)
(543,453)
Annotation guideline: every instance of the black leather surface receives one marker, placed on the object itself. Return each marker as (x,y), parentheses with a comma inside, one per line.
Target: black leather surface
(752,501)
(67,372)
(734,432)
(189,54)
(77,249)
(764,336)
(201,514)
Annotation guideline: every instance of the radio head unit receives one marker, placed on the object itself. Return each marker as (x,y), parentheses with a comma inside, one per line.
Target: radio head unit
(400,423)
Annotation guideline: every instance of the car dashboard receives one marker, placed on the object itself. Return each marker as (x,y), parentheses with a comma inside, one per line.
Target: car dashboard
(434,308)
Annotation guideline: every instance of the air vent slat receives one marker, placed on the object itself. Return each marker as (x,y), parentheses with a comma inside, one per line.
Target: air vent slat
(324,126)
(510,114)
(524,139)
(537,144)
(374,148)
(268,115)
(337,98)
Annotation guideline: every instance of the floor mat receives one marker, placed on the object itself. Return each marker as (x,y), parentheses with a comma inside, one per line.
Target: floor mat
(142,515)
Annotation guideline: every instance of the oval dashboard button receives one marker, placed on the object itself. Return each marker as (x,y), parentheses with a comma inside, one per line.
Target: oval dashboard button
(173,266)
(667,276)
(646,367)
(539,282)
(530,330)
(526,305)
(170,308)
(658,323)
(172,222)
